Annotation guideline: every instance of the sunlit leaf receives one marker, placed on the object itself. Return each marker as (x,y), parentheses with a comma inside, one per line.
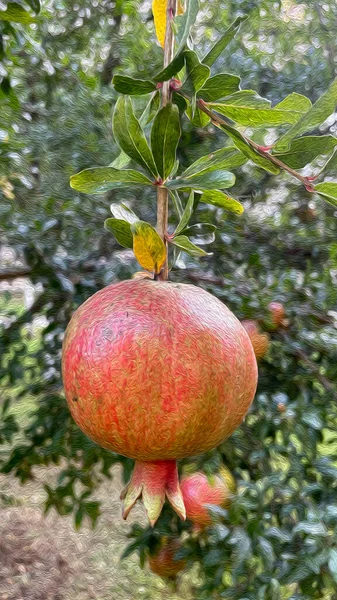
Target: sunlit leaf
(295,102)
(182,242)
(16,14)
(197,73)
(219,86)
(225,158)
(99,180)
(223,42)
(148,246)
(184,23)
(255,117)
(159,9)
(123,212)
(205,181)
(328,191)
(222,200)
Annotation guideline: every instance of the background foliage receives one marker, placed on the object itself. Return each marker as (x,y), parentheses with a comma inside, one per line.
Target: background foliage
(279,539)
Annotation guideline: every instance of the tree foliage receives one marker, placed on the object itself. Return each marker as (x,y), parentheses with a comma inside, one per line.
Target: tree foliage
(279,537)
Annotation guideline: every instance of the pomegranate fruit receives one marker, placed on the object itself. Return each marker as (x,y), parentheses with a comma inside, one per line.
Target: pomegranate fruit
(163,562)
(199,491)
(277,313)
(157,371)
(260,341)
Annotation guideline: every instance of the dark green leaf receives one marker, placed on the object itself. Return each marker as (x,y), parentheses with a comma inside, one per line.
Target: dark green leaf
(150,110)
(35,5)
(184,23)
(182,242)
(219,86)
(199,118)
(315,116)
(223,42)
(101,179)
(172,69)
(132,87)
(255,117)
(16,14)
(186,214)
(121,230)
(222,200)
(92,509)
(205,181)
(79,517)
(225,158)
(303,150)
(197,73)
(328,191)
(180,101)
(165,135)
(121,211)
(130,136)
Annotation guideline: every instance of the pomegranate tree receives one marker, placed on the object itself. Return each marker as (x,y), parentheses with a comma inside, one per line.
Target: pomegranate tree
(157,371)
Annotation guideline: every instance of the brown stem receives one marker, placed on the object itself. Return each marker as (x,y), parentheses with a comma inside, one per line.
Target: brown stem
(162,193)
(9,275)
(273,159)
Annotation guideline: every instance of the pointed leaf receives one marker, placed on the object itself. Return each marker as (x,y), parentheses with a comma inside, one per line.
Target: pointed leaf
(223,42)
(219,86)
(200,233)
(165,135)
(172,69)
(148,246)
(182,242)
(331,165)
(159,9)
(317,114)
(121,230)
(248,98)
(130,136)
(132,87)
(328,191)
(255,117)
(199,118)
(180,102)
(186,214)
(222,200)
(205,181)
(184,23)
(197,73)
(123,212)
(296,102)
(303,150)
(16,14)
(242,144)
(225,158)
(102,179)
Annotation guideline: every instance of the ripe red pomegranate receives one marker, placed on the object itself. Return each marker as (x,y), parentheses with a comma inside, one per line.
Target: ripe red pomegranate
(199,491)
(163,562)
(260,341)
(157,371)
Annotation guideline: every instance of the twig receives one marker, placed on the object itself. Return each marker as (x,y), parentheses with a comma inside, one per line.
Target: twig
(9,275)
(162,193)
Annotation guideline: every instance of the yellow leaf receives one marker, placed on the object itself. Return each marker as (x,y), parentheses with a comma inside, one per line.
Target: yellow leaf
(159,14)
(159,8)
(148,246)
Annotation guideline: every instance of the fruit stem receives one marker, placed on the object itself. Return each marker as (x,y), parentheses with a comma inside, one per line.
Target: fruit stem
(162,193)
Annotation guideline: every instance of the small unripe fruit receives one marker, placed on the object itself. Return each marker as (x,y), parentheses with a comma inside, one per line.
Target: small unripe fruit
(163,562)
(259,341)
(200,491)
(277,312)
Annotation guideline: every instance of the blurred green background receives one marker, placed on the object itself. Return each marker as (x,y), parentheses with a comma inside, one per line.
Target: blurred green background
(279,539)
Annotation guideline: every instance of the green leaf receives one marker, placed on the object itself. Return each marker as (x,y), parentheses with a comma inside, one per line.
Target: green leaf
(242,144)
(200,233)
(185,22)
(248,98)
(99,180)
(199,118)
(197,73)
(295,102)
(303,150)
(132,87)
(333,563)
(16,13)
(35,5)
(220,199)
(92,509)
(123,212)
(223,42)
(225,158)
(188,211)
(180,101)
(172,69)
(79,517)
(130,136)
(205,181)
(315,116)
(148,246)
(165,135)
(328,191)
(219,86)
(331,165)
(121,230)
(255,117)
(182,242)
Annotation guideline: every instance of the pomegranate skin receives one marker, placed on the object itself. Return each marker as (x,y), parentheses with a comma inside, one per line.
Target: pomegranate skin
(198,492)
(163,563)
(156,370)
